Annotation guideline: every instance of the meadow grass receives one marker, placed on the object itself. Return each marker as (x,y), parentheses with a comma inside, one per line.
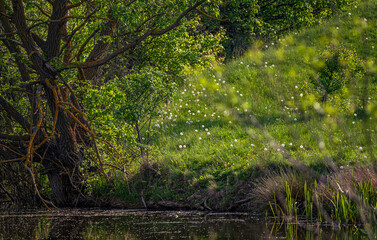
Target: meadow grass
(239,134)
(208,127)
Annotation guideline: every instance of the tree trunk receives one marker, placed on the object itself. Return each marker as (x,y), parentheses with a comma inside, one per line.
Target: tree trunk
(63,191)
(53,130)
(64,158)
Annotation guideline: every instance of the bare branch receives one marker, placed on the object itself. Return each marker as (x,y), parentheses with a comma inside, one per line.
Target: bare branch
(11,150)
(45,202)
(34,131)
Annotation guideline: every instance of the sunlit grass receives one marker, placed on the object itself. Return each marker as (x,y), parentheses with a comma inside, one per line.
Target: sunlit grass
(209,127)
(245,124)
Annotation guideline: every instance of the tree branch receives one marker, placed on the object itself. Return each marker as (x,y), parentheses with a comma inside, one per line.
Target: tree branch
(40,42)
(41,10)
(34,55)
(79,17)
(14,137)
(6,192)
(11,40)
(152,32)
(99,50)
(14,114)
(55,35)
(82,47)
(70,6)
(74,31)
(209,16)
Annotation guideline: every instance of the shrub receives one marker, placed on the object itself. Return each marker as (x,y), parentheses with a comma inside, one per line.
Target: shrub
(341,65)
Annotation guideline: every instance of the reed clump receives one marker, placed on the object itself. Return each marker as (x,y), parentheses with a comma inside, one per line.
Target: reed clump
(341,197)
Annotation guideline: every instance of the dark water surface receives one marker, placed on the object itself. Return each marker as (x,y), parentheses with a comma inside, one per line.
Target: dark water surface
(121,224)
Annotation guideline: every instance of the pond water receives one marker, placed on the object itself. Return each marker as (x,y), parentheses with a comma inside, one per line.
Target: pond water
(121,224)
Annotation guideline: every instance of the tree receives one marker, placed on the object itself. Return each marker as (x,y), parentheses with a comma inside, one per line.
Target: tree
(50,51)
(248,20)
(340,66)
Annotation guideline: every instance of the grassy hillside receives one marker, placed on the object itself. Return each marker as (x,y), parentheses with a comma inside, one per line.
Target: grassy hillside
(248,112)
(232,132)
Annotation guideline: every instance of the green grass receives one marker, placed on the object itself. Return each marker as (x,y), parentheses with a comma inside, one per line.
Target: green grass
(209,116)
(233,124)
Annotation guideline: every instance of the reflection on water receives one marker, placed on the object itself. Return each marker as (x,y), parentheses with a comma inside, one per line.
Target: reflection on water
(118,224)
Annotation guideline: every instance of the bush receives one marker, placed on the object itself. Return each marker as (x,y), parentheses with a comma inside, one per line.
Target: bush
(340,67)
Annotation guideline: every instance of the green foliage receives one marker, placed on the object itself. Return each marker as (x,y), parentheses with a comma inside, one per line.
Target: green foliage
(367,192)
(249,20)
(341,66)
(290,202)
(308,203)
(127,102)
(344,210)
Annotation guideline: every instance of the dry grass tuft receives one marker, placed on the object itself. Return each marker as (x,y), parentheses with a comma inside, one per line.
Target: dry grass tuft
(272,189)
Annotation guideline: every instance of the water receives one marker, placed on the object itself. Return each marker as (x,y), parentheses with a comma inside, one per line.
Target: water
(121,224)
